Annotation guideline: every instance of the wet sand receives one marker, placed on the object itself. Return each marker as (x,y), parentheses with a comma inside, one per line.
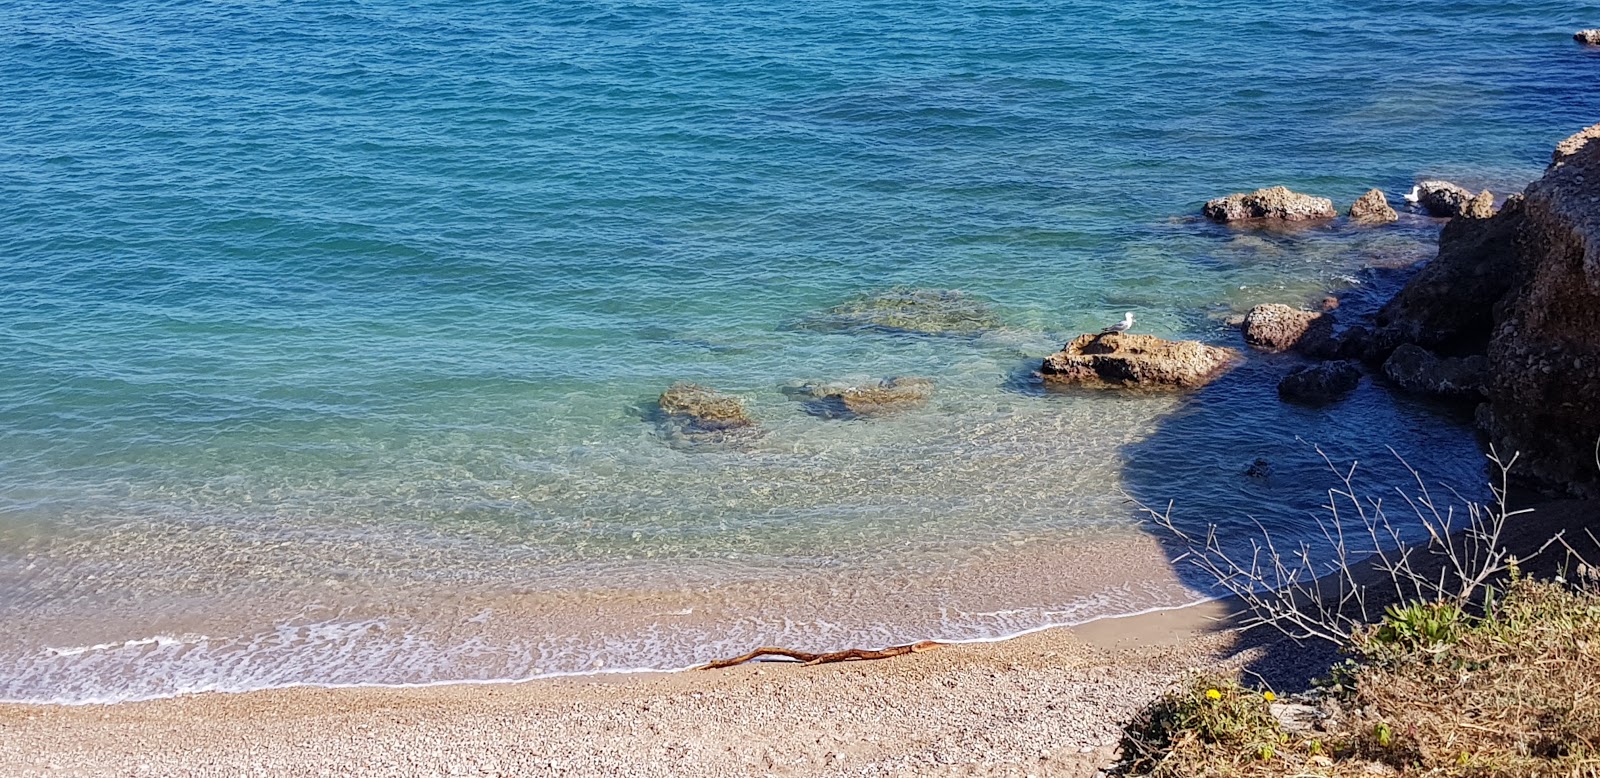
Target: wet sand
(1047,704)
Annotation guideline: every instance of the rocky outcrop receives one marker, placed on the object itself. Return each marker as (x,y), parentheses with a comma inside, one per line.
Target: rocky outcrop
(1275,203)
(891,395)
(910,310)
(695,410)
(1136,361)
(1319,383)
(1373,208)
(1415,369)
(1276,327)
(1480,207)
(1567,148)
(1544,356)
(1587,37)
(1442,198)
(1448,305)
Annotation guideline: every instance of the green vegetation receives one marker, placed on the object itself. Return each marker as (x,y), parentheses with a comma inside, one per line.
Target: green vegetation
(1430,690)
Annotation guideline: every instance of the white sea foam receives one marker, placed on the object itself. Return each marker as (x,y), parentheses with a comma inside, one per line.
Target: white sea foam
(159,641)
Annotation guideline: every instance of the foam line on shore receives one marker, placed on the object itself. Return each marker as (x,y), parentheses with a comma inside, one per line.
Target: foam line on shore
(114,700)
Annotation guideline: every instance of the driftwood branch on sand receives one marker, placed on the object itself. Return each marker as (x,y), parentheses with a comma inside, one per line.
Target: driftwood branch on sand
(810,658)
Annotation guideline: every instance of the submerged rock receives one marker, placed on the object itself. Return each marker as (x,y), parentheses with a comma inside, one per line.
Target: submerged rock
(1373,208)
(1142,361)
(1449,304)
(1415,369)
(1321,382)
(911,310)
(1587,37)
(891,395)
(1276,327)
(695,410)
(1273,203)
(1442,198)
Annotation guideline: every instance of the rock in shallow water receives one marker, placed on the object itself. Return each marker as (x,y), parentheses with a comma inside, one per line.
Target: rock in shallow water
(910,310)
(1276,327)
(1273,203)
(891,395)
(1588,37)
(1136,361)
(1416,369)
(692,409)
(1373,208)
(1321,382)
(1444,199)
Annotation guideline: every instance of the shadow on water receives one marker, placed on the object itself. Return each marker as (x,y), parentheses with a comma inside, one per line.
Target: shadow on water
(1235,458)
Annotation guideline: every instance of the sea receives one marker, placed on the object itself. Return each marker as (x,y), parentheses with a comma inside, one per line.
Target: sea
(331,331)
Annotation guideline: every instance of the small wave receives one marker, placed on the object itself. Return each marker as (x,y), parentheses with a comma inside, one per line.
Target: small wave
(159,641)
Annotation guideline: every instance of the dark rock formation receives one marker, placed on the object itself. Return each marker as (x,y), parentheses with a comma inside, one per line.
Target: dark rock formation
(1276,327)
(1449,305)
(1588,37)
(1274,203)
(1373,208)
(1416,369)
(1322,382)
(909,310)
(1544,357)
(692,409)
(890,395)
(1139,361)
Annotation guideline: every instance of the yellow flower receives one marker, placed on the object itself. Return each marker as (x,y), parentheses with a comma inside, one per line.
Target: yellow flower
(1269,696)
(1213,694)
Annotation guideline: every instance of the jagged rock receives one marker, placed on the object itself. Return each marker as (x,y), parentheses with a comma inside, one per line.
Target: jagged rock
(1567,148)
(910,310)
(1442,198)
(1277,327)
(1321,382)
(1140,361)
(1373,208)
(1587,37)
(1416,369)
(1449,304)
(692,409)
(890,395)
(1481,207)
(1544,356)
(1274,203)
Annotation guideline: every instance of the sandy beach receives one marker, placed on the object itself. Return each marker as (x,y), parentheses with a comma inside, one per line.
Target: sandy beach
(1049,703)
(1046,704)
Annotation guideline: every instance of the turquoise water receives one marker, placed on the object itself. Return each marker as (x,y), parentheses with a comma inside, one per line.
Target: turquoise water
(329,330)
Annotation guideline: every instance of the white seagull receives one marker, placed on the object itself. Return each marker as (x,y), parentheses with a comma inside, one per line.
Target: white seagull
(1121,326)
(1415,195)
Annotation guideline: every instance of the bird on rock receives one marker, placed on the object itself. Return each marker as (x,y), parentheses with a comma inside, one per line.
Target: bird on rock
(1121,326)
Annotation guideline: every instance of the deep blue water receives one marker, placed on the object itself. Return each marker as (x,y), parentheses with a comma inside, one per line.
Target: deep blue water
(314,315)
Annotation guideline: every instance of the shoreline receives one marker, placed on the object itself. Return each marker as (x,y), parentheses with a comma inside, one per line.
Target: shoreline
(598,673)
(1049,702)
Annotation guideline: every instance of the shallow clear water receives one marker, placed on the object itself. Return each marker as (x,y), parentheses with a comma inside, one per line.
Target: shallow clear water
(329,330)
